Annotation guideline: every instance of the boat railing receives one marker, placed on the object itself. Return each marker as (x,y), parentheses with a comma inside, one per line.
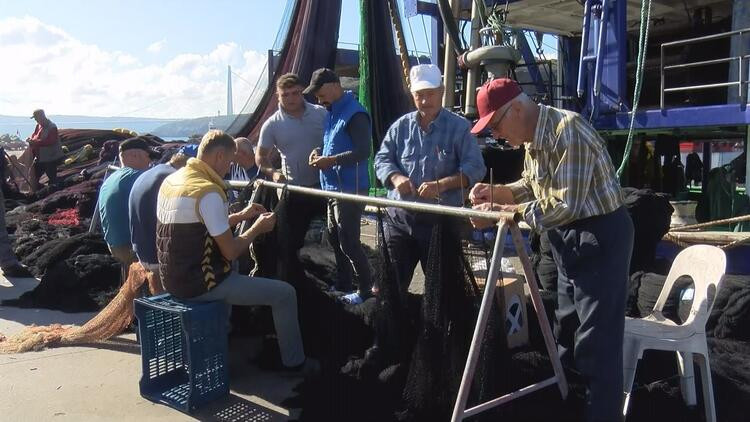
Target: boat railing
(742,60)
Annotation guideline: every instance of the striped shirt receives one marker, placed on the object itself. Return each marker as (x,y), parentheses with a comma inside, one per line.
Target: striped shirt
(568,174)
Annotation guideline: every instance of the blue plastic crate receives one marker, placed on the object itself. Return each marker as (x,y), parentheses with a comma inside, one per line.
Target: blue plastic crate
(183,351)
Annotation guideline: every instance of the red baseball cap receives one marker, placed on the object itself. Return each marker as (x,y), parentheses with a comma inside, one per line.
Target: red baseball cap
(491,97)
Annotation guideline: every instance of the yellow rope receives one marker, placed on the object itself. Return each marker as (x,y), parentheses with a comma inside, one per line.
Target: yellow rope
(403,52)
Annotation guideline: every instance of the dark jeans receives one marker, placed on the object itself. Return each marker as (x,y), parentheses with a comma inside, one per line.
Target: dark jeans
(407,237)
(593,259)
(303,209)
(50,169)
(344,231)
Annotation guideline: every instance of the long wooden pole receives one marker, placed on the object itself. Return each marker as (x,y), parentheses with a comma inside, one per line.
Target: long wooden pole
(732,220)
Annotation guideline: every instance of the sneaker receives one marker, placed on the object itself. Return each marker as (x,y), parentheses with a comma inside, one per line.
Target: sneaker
(307,369)
(18,270)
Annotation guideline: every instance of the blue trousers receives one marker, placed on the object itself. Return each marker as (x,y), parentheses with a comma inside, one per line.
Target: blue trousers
(593,260)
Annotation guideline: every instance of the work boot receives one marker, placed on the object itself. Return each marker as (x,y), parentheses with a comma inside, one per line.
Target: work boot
(17,270)
(307,369)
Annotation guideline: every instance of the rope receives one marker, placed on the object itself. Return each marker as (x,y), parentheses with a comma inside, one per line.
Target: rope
(640,64)
(735,243)
(732,220)
(677,240)
(404,53)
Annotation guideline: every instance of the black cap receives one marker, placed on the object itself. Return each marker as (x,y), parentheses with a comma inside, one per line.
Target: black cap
(319,78)
(138,143)
(37,112)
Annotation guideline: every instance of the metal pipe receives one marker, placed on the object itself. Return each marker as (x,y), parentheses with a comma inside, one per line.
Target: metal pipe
(470,106)
(380,202)
(481,325)
(584,46)
(383,202)
(706,38)
(661,71)
(708,86)
(508,397)
(739,80)
(449,64)
(705,62)
(600,47)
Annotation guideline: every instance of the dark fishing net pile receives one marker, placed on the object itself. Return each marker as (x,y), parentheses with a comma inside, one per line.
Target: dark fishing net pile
(85,282)
(330,330)
(393,357)
(49,228)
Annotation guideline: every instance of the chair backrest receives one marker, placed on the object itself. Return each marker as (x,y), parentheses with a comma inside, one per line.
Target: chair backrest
(706,266)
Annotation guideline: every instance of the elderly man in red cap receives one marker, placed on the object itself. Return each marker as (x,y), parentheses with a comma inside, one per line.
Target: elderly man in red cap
(569,189)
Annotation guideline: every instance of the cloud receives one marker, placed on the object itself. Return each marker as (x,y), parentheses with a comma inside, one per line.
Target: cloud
(56,71)
(156,46)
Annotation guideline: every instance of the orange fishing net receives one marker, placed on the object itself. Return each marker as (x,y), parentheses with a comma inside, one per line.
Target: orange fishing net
(112,320)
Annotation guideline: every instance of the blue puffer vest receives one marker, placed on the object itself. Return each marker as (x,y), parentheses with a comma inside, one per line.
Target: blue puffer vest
(336,140)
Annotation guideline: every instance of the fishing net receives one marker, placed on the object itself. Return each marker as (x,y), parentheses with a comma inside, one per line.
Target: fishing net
(306,41)
(448,313)
(112,320)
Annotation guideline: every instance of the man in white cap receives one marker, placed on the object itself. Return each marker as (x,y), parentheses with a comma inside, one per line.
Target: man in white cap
(428,155)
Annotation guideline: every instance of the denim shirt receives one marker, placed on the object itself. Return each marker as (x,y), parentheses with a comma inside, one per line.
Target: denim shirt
(446,148)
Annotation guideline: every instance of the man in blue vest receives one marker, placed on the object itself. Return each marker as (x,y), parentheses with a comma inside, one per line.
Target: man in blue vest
(343,168)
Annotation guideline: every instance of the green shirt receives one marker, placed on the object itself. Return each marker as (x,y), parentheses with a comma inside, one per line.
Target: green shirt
(113,206)
(568,174)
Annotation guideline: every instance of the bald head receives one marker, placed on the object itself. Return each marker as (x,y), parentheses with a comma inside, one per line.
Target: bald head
(245,156)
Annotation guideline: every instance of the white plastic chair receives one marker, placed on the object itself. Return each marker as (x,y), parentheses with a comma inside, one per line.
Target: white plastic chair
(706,265)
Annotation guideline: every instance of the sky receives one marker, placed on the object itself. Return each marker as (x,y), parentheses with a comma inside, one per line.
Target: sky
(138,58)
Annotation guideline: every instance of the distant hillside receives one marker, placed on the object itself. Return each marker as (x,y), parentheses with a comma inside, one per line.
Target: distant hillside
(190,127)
(24,126)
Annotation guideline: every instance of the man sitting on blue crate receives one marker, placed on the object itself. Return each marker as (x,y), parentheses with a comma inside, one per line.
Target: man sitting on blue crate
(195,245)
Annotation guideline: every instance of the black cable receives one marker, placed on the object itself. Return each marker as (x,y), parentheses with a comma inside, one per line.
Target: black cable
(690,19)
(451,28)
(463,30)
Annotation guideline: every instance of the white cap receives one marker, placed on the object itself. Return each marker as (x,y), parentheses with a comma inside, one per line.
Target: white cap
(425,76)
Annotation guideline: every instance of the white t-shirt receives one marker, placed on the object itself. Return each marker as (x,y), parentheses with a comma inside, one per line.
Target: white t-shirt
(214,212)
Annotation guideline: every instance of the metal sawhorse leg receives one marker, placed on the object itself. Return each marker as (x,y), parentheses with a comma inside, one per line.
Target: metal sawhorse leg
(459,410)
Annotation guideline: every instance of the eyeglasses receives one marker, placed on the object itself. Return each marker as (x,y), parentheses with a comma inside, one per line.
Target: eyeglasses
(502,116)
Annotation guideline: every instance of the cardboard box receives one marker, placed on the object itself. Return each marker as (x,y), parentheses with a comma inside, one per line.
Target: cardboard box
(516,318)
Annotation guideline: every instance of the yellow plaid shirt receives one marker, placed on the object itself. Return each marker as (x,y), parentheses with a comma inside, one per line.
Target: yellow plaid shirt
(568,174)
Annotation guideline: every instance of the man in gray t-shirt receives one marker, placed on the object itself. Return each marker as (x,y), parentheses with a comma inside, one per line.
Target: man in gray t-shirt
(295,129)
